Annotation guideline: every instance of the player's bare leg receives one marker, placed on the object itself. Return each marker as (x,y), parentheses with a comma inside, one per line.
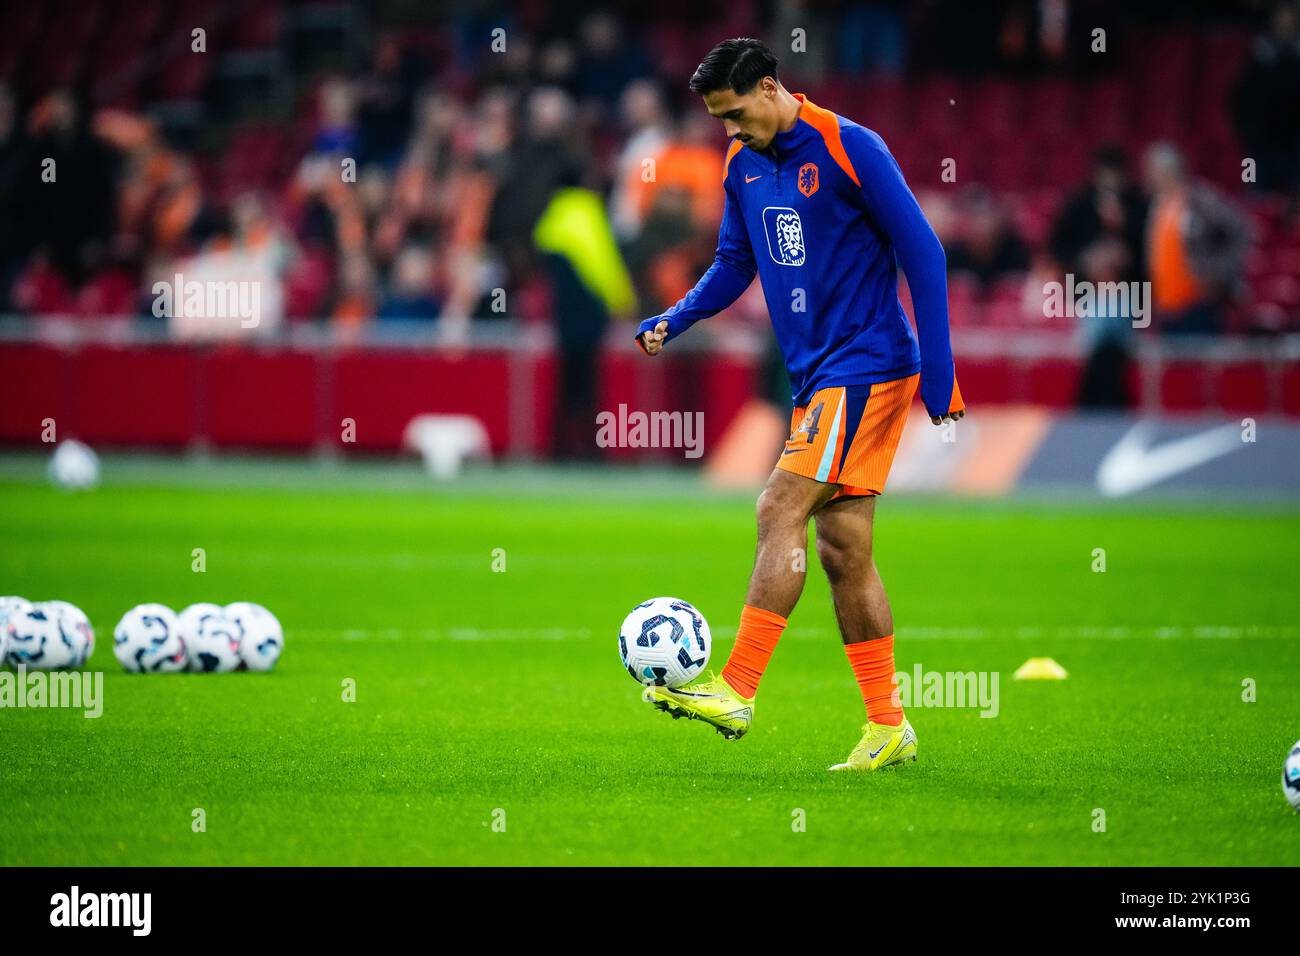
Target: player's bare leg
(727,701)
(844,534)
(783,510)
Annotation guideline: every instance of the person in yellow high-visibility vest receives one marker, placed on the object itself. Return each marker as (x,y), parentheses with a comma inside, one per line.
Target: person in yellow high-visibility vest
(589,283)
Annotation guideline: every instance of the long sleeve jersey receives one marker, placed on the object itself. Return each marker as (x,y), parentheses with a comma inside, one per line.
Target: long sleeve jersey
(825,218)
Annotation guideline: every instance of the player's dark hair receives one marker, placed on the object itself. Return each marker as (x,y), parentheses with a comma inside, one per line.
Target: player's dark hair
(736,64)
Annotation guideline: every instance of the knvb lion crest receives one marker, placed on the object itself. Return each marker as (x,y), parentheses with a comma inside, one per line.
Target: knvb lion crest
(784,235)
(808,179)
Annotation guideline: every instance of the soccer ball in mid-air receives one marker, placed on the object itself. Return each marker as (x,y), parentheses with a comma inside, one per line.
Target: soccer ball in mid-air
(76,619)
(1291,777)
(148,640)
(664,641)
(211,639)
(43,638)
(261,639)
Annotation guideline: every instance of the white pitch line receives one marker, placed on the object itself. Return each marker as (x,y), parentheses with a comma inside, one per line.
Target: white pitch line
(464,634)
(937,633)
(1087,631)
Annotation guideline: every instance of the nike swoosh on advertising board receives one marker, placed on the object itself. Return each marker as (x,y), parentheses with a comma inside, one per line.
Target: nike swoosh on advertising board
(1134,463)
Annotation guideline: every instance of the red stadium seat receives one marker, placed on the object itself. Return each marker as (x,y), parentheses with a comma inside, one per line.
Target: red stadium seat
(41,290)
(110,293)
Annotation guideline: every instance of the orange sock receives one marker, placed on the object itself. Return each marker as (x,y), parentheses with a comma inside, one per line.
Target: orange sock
(755,642)
(873,666)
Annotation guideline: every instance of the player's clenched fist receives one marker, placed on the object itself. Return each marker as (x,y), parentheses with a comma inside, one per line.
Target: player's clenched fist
(652,342)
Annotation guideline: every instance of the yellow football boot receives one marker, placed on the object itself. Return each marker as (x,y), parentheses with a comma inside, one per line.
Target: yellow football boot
(882,746)
(710,699)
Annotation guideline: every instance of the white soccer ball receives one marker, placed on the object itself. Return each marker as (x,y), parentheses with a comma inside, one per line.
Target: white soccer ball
(43,638)
(211,639)
(664,641)
(74,466)
(76,620)
(261,639)
(1291,777)
(12,602)
(9,603)
(148,640)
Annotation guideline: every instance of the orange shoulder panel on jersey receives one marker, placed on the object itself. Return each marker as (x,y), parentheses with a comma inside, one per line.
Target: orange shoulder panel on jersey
(732,150)
(828,124)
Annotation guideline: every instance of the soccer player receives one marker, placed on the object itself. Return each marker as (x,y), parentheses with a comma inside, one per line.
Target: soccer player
(817,206)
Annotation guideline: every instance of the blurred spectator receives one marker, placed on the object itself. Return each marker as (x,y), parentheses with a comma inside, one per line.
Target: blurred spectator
(1109,207)
(681,211)
(11,156)
(386,102)
(354,304)
(691,162)
(671,251)
(244,265)
(941,213)
(1196,244)
(71,216)
(811,22)
(472,23)
(160,201)
(546,156)
(1107,328)
(987,246)
(411,295)
(872,37)
(589,283)
(642,112)
(608,60)
(1266,101)
(336,129)
(452,176)
(557,65)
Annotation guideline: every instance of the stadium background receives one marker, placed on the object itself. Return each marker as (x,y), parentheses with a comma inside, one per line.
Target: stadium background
(476,615)
(422,287)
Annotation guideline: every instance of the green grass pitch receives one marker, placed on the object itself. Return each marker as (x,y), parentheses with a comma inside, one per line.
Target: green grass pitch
(480,691)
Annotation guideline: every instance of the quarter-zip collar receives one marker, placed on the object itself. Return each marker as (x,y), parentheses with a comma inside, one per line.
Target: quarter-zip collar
(785,143)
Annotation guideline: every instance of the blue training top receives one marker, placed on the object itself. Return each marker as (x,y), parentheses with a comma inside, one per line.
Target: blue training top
(825,218)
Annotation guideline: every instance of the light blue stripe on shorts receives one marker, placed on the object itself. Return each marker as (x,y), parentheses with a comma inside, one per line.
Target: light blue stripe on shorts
(828,456)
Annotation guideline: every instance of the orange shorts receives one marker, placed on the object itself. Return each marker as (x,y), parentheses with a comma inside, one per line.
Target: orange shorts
(847,435)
